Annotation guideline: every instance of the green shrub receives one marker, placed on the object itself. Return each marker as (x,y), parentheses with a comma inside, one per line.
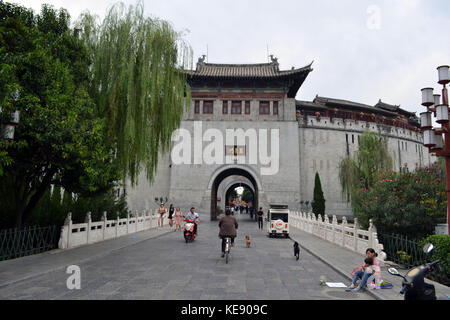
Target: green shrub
(441,250)
(406,203)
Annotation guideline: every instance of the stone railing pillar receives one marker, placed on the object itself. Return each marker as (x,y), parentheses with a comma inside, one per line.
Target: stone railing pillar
(88,220)
(334,227)
(343,225)
(356,228)
(370,240)
(66,230)
(105,220)
(117,224)
(319,225)
(128,221)
(135,220)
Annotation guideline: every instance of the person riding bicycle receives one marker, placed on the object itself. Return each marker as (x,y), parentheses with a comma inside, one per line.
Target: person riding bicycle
(192,215)
(228,225)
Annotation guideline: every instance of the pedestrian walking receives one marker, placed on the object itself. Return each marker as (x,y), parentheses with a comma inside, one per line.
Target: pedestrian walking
(178,219)
(161,212)
(259,216)
(171,212)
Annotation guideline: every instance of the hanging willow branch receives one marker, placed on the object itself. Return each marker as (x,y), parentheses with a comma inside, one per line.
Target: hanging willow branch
(138,82)
(372,157)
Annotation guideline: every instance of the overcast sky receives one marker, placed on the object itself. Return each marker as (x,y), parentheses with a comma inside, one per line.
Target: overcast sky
(362,50)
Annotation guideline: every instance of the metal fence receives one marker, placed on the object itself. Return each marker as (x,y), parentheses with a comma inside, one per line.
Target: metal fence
(409,253)
(15,243)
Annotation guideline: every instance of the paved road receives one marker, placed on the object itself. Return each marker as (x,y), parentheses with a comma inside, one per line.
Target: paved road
(167,268)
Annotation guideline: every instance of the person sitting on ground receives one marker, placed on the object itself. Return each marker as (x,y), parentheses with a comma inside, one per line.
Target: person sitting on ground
(368,265)
(365,272)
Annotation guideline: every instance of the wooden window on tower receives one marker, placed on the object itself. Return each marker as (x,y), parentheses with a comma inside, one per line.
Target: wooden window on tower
(197,106)
(275,107)
(264,107)
(247,107)
(225,107)
(236,107)
(208,107)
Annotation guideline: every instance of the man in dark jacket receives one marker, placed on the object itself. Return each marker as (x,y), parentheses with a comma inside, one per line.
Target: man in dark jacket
(228,225)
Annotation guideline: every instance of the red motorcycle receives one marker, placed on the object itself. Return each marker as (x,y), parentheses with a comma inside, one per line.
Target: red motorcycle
(188,232)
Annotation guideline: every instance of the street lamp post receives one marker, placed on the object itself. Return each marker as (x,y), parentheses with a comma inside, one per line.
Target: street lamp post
(432,137)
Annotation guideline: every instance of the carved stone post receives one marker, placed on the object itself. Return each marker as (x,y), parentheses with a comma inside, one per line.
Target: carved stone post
(356,228)
(344,225)
(88,220)
(128,221)
(117,224)
(370,240)
(66,230)
(105,220)
(333,227)
(135,220)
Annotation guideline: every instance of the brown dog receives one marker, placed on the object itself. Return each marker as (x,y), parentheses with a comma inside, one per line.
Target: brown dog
(248,241)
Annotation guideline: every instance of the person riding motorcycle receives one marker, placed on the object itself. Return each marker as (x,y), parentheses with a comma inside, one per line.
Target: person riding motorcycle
(192,215)
(228,225)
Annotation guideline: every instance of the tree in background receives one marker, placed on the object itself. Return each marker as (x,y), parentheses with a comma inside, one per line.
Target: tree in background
(247,195)
(406,203)
(60,140)
(96,102)
(318,204)
(138,81)
(363,169)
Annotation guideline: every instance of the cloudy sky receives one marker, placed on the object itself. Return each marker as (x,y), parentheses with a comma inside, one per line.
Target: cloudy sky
(362,50)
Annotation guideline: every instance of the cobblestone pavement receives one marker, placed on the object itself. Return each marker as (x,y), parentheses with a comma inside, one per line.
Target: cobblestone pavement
(165,267)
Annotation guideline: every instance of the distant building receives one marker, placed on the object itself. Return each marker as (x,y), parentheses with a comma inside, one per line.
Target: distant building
(313,137)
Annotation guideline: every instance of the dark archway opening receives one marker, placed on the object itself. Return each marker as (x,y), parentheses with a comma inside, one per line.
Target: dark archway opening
(229,192)
(224,174)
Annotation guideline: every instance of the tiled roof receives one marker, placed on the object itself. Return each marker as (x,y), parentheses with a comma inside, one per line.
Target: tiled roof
(380,107)
(262,70)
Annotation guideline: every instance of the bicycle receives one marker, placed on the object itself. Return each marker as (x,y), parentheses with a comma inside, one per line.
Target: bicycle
(227,248)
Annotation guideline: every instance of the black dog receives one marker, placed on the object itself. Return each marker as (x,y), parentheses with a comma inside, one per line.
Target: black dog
(296,250)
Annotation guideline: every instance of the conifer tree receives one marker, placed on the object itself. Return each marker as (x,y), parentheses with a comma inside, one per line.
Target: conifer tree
(318,204)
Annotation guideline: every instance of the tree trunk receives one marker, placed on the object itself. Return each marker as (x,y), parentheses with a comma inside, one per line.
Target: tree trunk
(27,207)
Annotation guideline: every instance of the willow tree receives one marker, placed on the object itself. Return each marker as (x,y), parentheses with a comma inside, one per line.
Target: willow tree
(360,172)
(138,81)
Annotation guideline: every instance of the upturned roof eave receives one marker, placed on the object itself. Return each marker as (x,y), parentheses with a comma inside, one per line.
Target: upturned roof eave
(295,73)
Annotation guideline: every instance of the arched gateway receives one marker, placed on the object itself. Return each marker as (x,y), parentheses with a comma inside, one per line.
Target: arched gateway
(284,142)
(222,174)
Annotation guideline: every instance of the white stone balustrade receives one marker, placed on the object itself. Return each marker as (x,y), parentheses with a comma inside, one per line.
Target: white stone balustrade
(74,235)
(344,235)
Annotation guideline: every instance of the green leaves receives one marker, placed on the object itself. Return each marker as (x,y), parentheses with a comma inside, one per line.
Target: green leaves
(318,204)
(60,139)
(408,203)
(136,82)
(358,174)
